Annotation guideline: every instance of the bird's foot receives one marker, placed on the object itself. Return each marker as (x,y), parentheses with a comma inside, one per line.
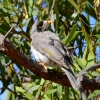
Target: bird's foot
(43,65)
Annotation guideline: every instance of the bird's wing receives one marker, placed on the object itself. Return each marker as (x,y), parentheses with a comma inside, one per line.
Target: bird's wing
(53,49)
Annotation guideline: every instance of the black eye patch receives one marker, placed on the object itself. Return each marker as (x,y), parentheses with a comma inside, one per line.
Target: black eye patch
(40,24)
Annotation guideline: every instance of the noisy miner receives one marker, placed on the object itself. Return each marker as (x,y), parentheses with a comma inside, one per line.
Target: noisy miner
(47,48)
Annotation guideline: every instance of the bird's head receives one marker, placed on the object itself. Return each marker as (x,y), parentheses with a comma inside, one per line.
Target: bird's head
(40,26)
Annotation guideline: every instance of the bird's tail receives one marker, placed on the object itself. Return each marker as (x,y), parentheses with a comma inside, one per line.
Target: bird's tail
(71,77)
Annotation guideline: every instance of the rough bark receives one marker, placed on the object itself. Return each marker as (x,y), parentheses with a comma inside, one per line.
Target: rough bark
(10,50)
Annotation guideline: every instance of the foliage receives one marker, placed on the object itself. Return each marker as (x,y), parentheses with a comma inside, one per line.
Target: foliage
(72,22)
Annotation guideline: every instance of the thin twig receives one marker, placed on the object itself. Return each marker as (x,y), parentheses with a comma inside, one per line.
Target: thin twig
(11,29)
(80,78)
(87,69)
(52,7)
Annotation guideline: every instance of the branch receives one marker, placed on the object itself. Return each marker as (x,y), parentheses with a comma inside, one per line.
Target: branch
(52,7)
(10,50)
(87,69)
(11,29)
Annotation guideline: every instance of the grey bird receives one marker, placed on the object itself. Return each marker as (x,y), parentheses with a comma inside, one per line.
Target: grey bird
(47,47)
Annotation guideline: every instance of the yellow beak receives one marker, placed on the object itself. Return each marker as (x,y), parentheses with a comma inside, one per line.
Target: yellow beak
(49,22)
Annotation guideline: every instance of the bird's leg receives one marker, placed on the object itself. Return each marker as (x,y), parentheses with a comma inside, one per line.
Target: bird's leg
(43,65)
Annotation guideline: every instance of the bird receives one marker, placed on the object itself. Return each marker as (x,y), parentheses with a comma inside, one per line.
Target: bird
(46,47)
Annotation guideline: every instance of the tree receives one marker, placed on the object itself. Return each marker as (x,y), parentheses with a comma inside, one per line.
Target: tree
(72,23)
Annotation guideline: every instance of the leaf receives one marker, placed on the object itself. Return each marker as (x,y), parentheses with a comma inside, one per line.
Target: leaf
(51,91)
(29,96)
(81,62)
(74,4)
(4,28)
(36,87)
(91,96)
(35,12)
(38,2)
(96,31)
(85,53)
(6,3)
(16,79)
(71,35)
(59,89)
(97,36)
(85,23)
(88,40)
(20,89)
(90,60)
(95,93)
(25,14)
(90,10)
(30,3)
(31,85)
(94,73)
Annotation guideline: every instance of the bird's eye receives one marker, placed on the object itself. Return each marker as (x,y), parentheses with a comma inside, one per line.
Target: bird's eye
(40,24)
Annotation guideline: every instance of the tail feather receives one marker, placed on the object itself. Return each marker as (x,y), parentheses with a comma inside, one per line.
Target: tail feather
(71,78)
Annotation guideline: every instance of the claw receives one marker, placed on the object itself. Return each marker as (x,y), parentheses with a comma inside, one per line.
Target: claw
(43,65)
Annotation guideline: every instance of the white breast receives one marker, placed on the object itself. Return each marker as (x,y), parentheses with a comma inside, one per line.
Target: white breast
(38,56)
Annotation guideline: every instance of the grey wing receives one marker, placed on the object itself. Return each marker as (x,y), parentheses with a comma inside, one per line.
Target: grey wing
(54,50)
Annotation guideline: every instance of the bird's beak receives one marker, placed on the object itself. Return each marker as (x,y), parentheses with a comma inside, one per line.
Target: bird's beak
(49,22)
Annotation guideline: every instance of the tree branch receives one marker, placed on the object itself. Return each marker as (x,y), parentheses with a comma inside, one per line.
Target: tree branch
(52,7)
(13,26)
(10,50)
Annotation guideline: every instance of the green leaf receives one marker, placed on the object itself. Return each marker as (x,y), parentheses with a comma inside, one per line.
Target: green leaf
(85,53)
(90,60)
(35,12)
(31,85)
(51,91)
(94,73)
(31,3)
(59,89)
(71,35)
(94,94)
(90,10)
(81,62)
(88,40)
(20,89)
(97,36)
(29,96)
(97,92)
(91,96)
(16,79)
(6,3)
(85,22)
(74,4)
(36,87)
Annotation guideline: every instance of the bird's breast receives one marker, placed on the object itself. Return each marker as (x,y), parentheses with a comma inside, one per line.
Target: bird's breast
(38,56)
